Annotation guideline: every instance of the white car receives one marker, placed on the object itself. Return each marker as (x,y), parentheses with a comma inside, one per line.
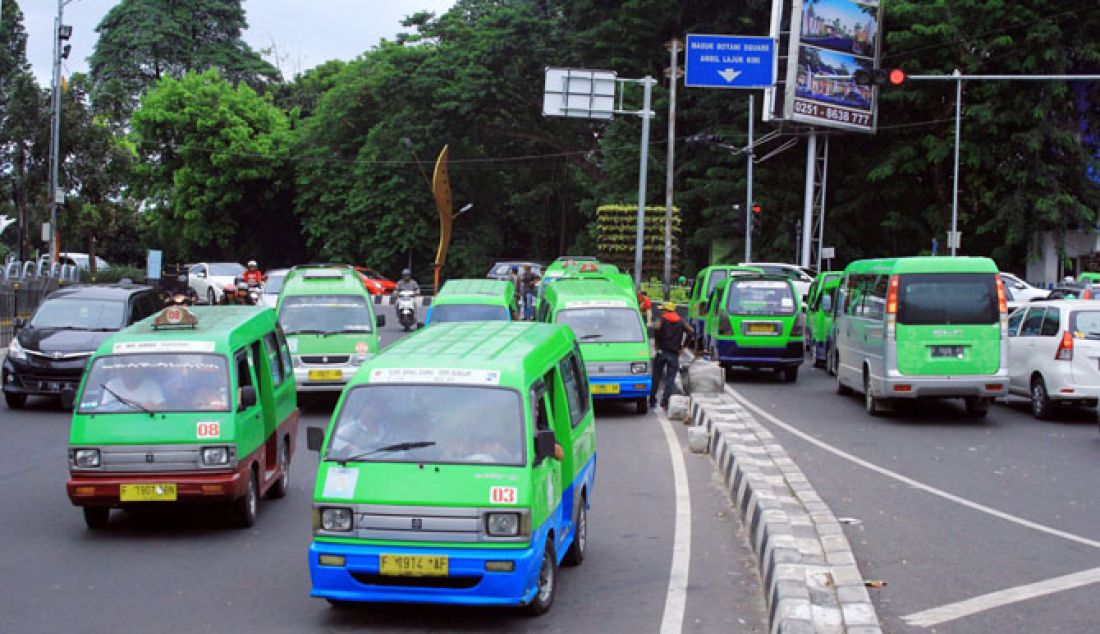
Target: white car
(209,278)
(1020,290)
(273,286)
(1054,354)
(799,277)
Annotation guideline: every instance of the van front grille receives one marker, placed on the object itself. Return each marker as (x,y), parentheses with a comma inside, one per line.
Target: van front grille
(329,359)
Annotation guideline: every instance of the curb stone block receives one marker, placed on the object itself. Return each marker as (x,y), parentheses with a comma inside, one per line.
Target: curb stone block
(679,407)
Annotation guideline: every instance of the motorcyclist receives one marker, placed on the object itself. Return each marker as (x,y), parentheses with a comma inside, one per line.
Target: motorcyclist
(253,275)
(236,294)
(407,283)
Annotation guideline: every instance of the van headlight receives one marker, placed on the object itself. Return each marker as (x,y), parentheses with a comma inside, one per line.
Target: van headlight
(639,368)
(16,351)
(86,458)
(215,455)
(336,519)
(502,524)
(297,360)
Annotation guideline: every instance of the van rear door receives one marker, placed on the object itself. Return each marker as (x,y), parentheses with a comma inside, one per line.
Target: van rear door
(1085,327)
(948,324)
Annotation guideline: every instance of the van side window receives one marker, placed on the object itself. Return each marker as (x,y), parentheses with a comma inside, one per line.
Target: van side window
(1033,322)
(1051,323)
(274,358)
(1014,322)
(539,407)
(578,405)
(288,363)
(582,375)
(876,296)
(244,368)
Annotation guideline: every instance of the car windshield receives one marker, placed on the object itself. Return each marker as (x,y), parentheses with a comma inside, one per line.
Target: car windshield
(325,313)
(947,298)
(274,284)
(435,424)
(156,383)
(760,297)
(80,314)
(225,269)
(603,325)
(468,312)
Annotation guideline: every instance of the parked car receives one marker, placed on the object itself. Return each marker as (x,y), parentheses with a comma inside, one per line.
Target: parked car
(499,270)
(209,278)
(375,282)
(1054,355)
(48,353)
(1021,290)
(273,285)
(799,277)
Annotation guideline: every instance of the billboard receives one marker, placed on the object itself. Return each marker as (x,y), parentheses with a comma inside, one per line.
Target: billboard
(829,41)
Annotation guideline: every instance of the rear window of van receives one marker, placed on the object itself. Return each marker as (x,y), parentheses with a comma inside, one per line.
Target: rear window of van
(947,298)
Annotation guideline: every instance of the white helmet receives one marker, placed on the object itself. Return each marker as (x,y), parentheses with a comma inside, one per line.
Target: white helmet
(252,263)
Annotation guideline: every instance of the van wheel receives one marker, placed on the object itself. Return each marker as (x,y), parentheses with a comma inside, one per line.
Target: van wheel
(282,485)
(642,404)
(790,375)
(97,517)
(211,297)
(841,389)
(1041,406)
(977,407)
(829,369)
(548,581)
(15,400)
(575,555)
(871,403)
(244,509)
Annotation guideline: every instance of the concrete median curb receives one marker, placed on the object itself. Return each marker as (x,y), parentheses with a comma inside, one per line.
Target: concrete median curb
(811,581)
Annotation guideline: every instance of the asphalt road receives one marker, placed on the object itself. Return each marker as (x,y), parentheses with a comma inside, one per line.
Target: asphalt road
(180,570)
(935,550)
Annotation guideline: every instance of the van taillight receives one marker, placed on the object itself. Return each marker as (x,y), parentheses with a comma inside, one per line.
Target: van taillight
(892,296)
(1065,348)
(1002,302)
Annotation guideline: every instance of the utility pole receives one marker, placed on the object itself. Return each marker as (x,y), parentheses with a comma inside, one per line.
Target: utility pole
(674,54)
(808,205)
(646,114)
(748,189)
(60,33)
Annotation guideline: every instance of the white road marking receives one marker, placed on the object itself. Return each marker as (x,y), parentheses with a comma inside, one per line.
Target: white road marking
(910,481)
(952,611)
(672,621)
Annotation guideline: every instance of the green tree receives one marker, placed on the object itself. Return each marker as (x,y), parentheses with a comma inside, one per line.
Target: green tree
(142,41)
(213,170)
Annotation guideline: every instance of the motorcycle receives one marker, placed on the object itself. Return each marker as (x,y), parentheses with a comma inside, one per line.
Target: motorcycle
(406,309)
(255,293)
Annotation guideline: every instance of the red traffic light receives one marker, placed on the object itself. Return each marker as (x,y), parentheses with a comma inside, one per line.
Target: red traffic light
(756,208)
(896,77)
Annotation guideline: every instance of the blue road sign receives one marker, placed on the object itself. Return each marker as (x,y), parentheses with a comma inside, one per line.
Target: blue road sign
(729,61)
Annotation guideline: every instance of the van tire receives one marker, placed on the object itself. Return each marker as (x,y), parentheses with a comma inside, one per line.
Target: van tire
(14,400)
(841,389)
(977,407)
(790,375)
(871,403)
(97,517)
(829,369)
(211,297)
(575,555)
(243,510)
(1041,405)
(282,485)
(642,404)
(548,581)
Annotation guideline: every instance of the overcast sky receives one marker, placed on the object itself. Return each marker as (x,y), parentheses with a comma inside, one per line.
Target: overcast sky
(306,32)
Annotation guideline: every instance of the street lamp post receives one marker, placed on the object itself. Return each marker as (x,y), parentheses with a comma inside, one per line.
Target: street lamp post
(60,34)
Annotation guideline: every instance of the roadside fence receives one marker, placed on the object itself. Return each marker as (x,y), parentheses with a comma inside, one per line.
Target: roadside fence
(23,285)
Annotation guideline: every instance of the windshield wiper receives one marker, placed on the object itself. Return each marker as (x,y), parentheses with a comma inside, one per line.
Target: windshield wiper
(592,336)
(307,331)
(347,331)
(126,401)
(401,446)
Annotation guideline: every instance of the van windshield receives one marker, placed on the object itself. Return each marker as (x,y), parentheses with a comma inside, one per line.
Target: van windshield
(603,325)
(324,314)
(437,424)
(468,312)
(156,383)
(760,297)
(947,298)
(80,314)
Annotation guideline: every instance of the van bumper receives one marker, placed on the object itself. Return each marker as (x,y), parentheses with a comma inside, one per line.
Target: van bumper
(303,383)
(913,387)
(467,583)
(630,387)
(729,353)
(190,487)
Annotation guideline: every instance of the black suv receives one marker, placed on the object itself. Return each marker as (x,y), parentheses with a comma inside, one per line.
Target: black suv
(48,353)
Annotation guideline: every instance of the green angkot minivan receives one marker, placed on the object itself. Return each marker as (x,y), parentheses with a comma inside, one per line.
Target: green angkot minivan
(192,405)
(458,468)
(756,322)
(819,315)
(329,321)
(606,320)
(474,300)
(703,287)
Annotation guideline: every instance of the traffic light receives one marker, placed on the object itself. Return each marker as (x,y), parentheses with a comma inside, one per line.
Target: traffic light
(880,76)
(756,208)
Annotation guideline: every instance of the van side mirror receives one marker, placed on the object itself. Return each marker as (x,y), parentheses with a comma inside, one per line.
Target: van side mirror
(380,320)
(18,323)
(545,442)
(247,397)
(315,437)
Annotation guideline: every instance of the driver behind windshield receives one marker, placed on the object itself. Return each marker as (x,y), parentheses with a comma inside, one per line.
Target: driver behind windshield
(131,384)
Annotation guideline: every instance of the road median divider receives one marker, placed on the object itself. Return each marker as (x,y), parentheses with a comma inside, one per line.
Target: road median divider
(810,578)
